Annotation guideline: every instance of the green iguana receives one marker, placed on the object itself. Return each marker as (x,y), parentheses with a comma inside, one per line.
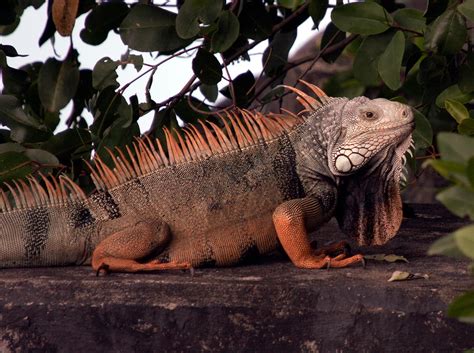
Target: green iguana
(218,195)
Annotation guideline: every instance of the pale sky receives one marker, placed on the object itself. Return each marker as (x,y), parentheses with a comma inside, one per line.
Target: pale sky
(168,80)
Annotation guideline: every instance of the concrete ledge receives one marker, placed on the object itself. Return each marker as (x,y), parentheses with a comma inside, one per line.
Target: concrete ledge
(266,307)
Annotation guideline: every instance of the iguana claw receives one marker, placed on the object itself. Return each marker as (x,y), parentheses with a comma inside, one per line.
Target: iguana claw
(102,267)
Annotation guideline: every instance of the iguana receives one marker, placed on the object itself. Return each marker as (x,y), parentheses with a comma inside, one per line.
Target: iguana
(219,195)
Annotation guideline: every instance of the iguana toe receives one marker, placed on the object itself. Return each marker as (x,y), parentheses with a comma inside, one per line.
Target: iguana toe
(104,268)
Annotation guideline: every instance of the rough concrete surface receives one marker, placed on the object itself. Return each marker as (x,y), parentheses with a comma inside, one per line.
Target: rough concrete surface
(266,307)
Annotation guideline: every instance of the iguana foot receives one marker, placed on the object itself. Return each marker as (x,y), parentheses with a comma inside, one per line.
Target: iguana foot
(343,261)
(318,261)
(334,249)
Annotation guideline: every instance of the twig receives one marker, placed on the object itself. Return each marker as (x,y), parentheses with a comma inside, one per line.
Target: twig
(320,54)
(264,66)
(231,83)
(203,112)
(172,100)
(153,68)
(290,65)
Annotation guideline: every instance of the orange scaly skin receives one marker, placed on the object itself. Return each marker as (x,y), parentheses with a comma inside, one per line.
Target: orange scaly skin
(222,195)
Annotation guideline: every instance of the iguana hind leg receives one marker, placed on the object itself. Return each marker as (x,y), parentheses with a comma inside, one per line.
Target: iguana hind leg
(121,250)
(291,219)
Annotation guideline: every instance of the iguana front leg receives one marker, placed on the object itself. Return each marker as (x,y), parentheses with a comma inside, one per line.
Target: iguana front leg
(291,219)
(133,241)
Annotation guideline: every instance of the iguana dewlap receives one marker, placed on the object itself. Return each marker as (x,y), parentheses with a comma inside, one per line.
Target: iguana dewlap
(220,195)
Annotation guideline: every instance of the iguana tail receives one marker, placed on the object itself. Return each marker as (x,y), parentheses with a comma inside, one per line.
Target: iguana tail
(44,226)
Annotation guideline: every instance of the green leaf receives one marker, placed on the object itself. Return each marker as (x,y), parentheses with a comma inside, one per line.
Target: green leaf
(447,34)
(467,9)
(14,166)
(11,147)
(433,72)
(463,307)
(3,60)
(465,240)
(447,246)
(455,147)
(361,18)
(470,171)
(244,88)
(291,4)
(150,28)
(411,19)
(101,20)
(423,134)
(227,32)
(458,200)
(108,107)
(57,83)
(187,113)
(15,81)
(452,171)
(195,12)
(466,75)
(434,9)
(390,62)
(317,10)
(453,93)
(10,51)
(136,61)
(41,156)
(466,127)
(104,74)
(275,56)
(207,68)
(367,58)
(255,21)
(332,35)
(457,110)
(22,125)
(119,134)
(65,143)
(209,91)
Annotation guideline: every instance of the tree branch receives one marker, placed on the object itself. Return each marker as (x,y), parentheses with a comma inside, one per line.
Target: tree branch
(244,49)
(328,49)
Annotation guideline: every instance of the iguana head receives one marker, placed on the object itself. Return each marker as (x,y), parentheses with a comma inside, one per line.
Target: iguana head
(365,142)
(367,157)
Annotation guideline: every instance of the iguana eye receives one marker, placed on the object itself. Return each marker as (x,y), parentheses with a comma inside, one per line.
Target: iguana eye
(369,115)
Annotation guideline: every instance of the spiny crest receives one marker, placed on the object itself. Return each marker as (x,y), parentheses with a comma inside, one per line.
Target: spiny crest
(147,155)
(32,194)
(309,103)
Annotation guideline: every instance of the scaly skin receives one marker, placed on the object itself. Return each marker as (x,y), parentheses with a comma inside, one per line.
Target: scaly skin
(232,205)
